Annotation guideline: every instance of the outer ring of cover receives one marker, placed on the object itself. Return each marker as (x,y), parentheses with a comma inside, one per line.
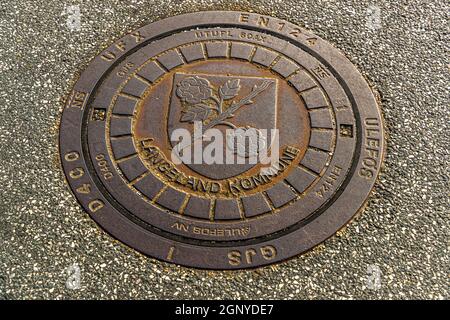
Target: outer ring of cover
(350,200)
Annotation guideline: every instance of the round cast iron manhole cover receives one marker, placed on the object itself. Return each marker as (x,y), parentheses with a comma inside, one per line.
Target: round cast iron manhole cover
(237,73)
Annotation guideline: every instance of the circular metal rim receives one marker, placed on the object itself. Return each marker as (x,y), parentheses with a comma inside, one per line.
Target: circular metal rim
(281,224)
(352,198)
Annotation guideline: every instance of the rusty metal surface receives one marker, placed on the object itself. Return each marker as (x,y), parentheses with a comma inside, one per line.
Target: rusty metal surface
(403,230)
(123,108)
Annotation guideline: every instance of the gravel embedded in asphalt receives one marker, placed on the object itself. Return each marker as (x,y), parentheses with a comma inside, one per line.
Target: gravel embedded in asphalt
(403,231)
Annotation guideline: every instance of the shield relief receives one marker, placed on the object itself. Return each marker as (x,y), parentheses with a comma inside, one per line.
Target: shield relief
(221,102)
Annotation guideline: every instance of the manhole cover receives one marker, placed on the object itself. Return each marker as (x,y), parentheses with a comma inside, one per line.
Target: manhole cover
(204,77)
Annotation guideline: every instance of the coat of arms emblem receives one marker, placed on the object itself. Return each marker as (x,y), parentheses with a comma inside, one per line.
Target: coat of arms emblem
(244,104)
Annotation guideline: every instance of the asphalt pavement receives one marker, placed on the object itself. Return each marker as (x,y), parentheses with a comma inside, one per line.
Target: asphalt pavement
(401,239)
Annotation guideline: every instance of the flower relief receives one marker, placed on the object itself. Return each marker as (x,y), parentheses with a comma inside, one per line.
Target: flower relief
(202,102)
